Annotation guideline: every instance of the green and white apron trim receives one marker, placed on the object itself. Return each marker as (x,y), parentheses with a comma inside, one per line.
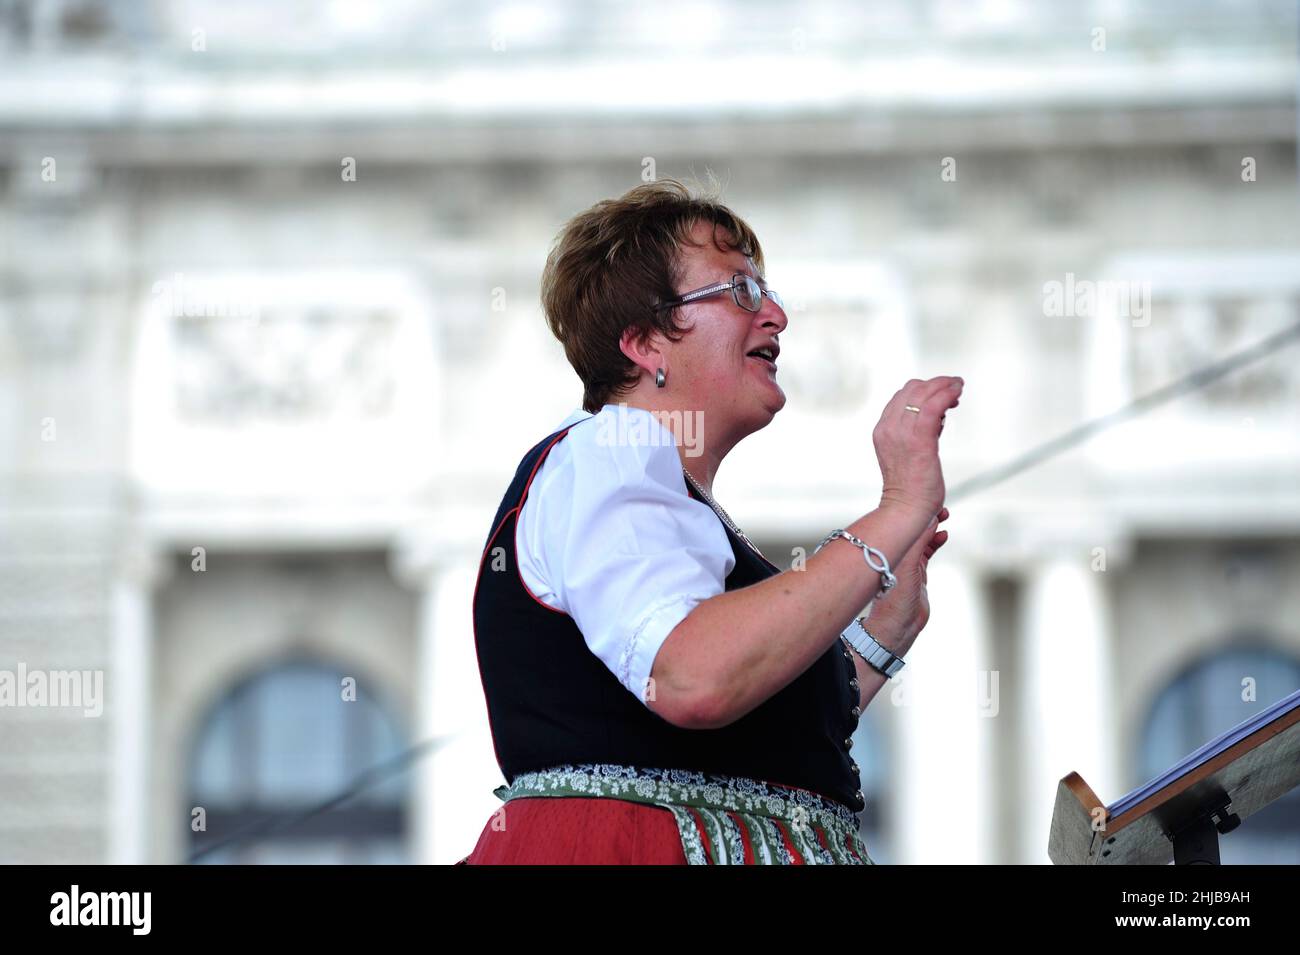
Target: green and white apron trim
(721,819)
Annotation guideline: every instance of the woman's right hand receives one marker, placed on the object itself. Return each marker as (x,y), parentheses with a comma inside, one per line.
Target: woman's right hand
(907,444)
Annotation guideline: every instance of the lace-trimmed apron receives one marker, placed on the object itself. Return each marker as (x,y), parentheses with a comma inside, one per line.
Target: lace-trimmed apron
(722,820)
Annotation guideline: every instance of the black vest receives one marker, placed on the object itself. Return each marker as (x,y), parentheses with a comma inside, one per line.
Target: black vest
(551,701)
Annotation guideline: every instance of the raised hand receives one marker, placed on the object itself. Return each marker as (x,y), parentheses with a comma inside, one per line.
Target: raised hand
(907,443)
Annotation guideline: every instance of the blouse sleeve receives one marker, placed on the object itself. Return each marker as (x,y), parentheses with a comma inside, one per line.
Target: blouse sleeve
(610,536)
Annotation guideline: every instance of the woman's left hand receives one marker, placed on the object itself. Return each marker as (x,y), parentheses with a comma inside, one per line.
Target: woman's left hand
(898,617)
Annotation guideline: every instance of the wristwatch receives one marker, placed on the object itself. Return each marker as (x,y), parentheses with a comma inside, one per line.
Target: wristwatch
(880,658)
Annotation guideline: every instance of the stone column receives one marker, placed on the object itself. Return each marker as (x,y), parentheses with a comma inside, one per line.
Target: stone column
(453,782)
(128,702)
(944,811)
(1067,693)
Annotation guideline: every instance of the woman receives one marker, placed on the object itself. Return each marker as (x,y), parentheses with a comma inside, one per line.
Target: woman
(658,691)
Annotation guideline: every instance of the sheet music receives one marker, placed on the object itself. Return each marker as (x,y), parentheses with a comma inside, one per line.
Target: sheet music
(1206,753)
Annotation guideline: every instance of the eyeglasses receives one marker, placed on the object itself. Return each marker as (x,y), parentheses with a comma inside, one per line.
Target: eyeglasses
(745,289)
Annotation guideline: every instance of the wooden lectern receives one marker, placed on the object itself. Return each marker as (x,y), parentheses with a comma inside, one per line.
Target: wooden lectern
(1181,812)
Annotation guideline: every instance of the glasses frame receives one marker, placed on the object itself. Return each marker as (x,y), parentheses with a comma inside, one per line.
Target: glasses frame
(708,291)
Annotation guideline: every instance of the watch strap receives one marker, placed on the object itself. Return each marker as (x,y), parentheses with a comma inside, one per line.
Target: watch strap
(878,656)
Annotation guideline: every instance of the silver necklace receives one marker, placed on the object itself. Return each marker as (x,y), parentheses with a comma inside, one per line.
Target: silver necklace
(725,517)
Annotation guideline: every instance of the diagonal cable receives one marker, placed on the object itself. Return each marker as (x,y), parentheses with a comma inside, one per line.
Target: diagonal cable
(1188,383)
(366,780)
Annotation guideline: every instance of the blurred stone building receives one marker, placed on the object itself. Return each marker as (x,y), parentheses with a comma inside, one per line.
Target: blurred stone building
(270,350)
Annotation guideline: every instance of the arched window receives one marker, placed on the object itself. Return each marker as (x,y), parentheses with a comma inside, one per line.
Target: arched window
(285,741)
(1206,700)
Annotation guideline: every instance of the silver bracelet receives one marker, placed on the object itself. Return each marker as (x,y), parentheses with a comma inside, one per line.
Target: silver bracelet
(887,578)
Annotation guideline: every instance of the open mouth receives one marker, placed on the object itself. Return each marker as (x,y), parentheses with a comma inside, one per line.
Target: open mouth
(765,355)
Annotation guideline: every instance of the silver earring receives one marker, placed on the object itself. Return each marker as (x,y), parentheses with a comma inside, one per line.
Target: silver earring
(660,378)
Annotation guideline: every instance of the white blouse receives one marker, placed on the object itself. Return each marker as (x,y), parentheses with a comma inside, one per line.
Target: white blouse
(609,535)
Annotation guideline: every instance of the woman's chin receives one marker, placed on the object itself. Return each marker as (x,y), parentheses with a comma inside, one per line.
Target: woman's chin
(773,401)
(777,400)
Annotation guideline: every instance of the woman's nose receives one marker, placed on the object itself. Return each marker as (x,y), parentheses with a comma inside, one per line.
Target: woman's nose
(773,315)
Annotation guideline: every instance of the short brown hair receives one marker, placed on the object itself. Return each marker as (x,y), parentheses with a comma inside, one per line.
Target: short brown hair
(610,264)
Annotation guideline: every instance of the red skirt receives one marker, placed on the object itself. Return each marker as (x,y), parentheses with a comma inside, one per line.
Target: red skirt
(550,830)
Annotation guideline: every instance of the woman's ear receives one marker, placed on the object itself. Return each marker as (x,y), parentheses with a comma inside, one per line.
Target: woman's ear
(642,349)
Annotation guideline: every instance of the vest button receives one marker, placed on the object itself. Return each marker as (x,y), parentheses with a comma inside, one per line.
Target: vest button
(848,742)
(854,767)
(856,711)
(853,684)
(858,796)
